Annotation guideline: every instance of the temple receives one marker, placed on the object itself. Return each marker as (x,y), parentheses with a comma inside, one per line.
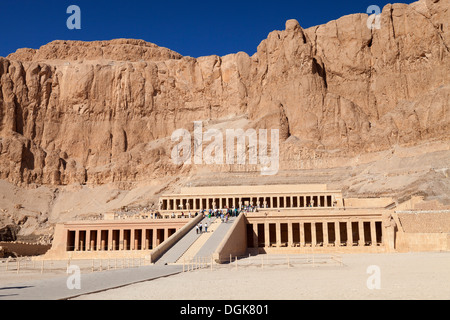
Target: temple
(263,197)
(293,216)
(273,219)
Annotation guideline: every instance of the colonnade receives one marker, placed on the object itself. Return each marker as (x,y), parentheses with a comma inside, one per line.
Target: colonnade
(319,233)
(261,201)
(116,239)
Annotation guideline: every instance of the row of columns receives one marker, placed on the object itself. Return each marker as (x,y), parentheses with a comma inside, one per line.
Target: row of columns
(274,202)
(375,234)
(116,239)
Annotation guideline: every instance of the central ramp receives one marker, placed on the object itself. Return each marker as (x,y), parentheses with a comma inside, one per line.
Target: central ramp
(215,239)
(194,245)
(179,248)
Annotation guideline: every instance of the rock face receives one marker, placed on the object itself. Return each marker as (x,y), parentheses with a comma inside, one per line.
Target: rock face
(9,233)
(104,111)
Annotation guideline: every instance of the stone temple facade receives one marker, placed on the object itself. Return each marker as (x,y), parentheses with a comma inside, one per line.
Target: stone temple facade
(273,219)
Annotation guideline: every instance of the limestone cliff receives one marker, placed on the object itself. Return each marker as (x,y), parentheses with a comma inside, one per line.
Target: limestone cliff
(98,112)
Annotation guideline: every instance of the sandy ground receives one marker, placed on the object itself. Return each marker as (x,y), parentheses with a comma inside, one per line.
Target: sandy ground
(401,276)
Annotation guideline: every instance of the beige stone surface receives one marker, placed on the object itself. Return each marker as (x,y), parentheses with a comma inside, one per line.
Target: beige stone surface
(117,49)
(425,222)
(403,276)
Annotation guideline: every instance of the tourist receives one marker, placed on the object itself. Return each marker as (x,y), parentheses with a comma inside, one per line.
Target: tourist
(196,228)
(200,225)
(206,226)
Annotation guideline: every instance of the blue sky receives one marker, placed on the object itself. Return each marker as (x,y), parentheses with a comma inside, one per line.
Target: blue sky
(192,28)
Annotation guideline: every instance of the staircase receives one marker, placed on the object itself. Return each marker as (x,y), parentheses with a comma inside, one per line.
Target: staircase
(194,245)
(174,253)
(208,242)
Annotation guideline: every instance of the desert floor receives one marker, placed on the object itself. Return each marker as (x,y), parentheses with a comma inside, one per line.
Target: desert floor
(401,276)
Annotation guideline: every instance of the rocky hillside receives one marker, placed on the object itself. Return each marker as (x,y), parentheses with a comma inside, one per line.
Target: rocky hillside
(77,112)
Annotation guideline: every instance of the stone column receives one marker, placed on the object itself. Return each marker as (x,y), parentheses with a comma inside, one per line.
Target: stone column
(349,234)
(102,242)
(143,243)
(132,239)
(337,231)
(266,234)
(110,236)
(155,231)
(255,235)
(77,240)
(361,233)
(325,233)
(121,240)
(373,233)
(92,242)
(136,241)
(278,234)
(313,234)
(290,234)
(302,234)
(99,240)
(88,240)
(82,243)
(147,240)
